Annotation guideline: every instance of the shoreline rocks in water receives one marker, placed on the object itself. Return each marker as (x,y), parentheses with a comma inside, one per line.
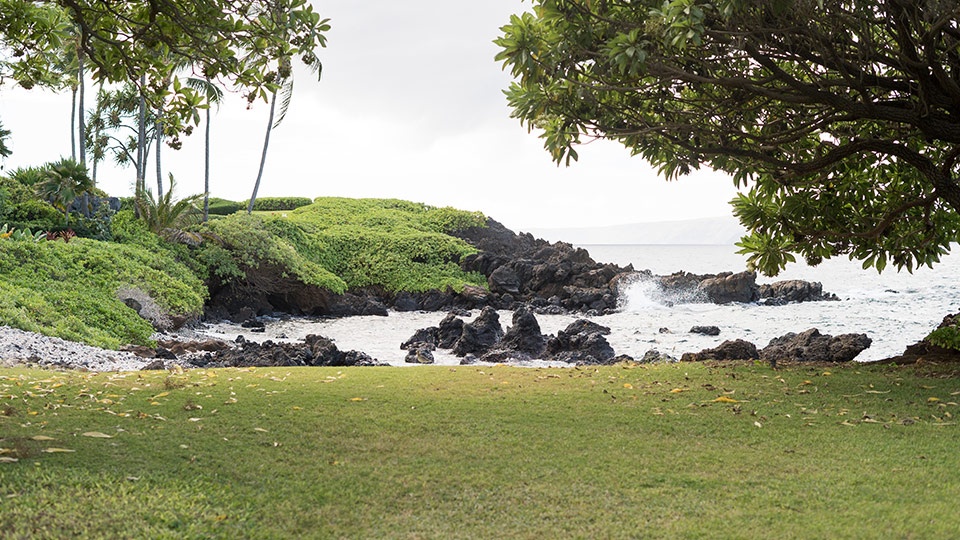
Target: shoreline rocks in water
(808,346)
(484,340)
(550,278)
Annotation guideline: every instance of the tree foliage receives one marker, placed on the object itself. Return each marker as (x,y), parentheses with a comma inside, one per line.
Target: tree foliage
(143,41)
(839,119)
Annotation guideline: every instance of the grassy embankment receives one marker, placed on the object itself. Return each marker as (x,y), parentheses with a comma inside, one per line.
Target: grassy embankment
(670,451)
(70,290)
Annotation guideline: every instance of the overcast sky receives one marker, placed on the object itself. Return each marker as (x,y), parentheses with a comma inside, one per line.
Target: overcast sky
(410,106)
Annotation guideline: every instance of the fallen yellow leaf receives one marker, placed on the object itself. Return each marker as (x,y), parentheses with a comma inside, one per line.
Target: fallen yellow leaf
(933,399)
(97,435)
(725,399)
(5,459)
(57,450)
(260,429)
(358,399)
(628,386)
(678,390)
(160,395)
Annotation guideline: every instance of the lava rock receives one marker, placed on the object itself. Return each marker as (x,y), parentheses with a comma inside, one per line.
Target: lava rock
(706,330)
(811,346)
(728,287)
(737,349)
(480,335)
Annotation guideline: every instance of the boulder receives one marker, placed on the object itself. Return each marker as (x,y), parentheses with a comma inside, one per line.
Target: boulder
(524,335)
(794,290)
(449,331)
(728,350)
(728,287)
(811,346)
(504,280)
(654,356)
(582,342)
(420,353)
(422,336)
(705,330)
(480,335)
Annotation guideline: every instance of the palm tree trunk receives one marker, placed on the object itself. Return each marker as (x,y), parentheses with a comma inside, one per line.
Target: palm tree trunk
(142,138)
(158,134)
(73,123)
(206,164)
(263,157)
(82,113)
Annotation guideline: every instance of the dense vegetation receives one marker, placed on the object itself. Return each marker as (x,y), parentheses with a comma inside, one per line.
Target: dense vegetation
(74,287)
(668,451)
(837,117)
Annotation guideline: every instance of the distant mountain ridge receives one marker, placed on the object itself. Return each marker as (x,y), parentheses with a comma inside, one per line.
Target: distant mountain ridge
(725,230)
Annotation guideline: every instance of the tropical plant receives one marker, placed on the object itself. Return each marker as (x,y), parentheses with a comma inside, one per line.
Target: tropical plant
(838,117)
(4,135)
(63,182)
(168,217)
(280,19)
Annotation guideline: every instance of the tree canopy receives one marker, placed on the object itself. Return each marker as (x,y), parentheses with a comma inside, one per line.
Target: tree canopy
(838,119)
(145,42)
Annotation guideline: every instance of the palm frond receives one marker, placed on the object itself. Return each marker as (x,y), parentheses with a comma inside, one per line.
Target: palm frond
(286,95)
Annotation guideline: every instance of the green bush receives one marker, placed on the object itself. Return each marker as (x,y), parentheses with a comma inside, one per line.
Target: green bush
(22,209)
(339,243)
(947,337)
(223,207)
(69,290)
(278,204)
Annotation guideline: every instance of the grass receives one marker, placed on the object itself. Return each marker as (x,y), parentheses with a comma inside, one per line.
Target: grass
(672,451)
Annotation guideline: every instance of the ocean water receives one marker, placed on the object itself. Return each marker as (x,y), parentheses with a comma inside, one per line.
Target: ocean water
(894,309)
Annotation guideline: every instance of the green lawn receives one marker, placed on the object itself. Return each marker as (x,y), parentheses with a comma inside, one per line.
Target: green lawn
(672,451)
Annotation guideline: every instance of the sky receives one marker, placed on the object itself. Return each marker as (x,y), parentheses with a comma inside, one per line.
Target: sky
(410,106)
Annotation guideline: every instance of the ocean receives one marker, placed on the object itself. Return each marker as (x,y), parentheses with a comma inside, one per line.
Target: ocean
(893,309)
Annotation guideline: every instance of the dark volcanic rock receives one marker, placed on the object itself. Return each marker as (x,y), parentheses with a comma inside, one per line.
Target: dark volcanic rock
(449,331)
(728,287)
(582,342)
(480,335)
(422,336)
(313,351)
(420,353)
(706,330)
(794,290)
(728,350)
(811,346)
(524,336)
(655,356)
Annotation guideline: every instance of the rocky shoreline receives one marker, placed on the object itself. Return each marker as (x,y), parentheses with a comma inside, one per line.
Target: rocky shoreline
(525,276)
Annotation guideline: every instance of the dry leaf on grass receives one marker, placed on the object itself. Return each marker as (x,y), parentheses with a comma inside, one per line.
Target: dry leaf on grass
(97,435)
(57,450)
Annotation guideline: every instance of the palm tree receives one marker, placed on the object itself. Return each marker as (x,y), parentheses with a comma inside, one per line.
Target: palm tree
(213,95)
(168,217)
(285,75)
(62,183)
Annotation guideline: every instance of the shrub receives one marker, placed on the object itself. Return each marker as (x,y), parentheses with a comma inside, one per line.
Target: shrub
(947,335)
(278,204)
(223,207)
(70,290)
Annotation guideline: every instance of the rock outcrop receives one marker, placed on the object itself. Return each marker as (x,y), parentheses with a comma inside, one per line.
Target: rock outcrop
(811,346)
(737,349)
(313,351)
(483,339)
